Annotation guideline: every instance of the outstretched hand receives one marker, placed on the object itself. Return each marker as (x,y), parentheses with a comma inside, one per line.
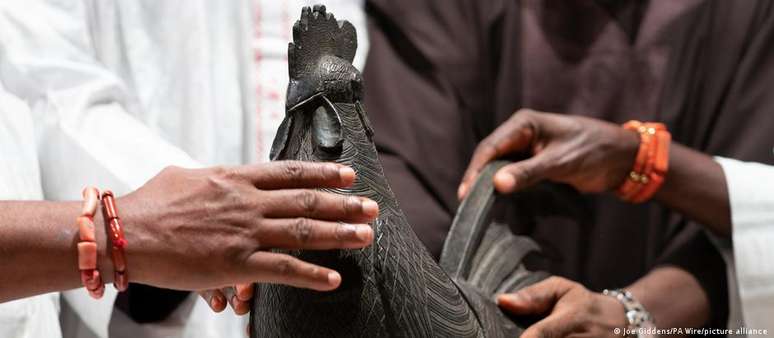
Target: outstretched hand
(591,155)
(209,229)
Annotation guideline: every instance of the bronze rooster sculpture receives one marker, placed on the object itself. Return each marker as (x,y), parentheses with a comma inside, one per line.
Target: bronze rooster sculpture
(393,288)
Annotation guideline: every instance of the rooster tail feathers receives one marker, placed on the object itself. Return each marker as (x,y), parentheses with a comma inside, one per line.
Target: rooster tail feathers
(486,254)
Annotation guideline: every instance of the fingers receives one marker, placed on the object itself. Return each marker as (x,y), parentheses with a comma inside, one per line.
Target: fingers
(536,299)
(276,268)
(215,299)
(523,174)
(318,205)
(305,233)
(540,299)
(239,297)
(244,292)
(513,136)
(296,174)
(240,307)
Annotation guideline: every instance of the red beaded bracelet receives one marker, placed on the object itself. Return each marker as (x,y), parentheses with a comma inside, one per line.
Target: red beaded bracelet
(651,163)
(87,244)
(116,238)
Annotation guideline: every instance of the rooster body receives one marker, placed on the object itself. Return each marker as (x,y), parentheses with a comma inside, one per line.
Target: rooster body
(393,288)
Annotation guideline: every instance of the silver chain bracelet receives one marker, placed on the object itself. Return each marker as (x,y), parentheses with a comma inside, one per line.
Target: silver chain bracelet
(636,314)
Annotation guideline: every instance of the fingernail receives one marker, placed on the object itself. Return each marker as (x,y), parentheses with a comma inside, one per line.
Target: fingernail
(461,191)
(364,233)
(370,207)
(242,309)
(334,278)
(346,174)
(244,293)
(503,299)
(217,302)
(512,297)
(505,182)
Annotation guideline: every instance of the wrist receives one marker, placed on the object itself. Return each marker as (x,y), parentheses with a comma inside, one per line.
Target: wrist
(651,163)
(136,251)
(104,261)
(635,315)
(613,311)
(629,145)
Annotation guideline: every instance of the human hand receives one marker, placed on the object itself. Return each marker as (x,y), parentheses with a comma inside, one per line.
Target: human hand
(589,154)
(212,228)
(570,310)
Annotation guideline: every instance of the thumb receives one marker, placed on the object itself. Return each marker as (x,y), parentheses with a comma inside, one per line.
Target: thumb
(515,303)
(513,136)
(523,174)
(537,299)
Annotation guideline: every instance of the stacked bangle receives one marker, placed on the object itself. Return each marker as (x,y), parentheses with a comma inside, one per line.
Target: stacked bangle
(651,163)
(87,245)
(117,241)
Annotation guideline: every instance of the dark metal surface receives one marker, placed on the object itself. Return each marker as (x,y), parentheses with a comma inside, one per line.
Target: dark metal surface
(470,224)
(393,288)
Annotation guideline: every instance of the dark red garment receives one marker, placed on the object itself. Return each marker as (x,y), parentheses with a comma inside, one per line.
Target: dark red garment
(442,74)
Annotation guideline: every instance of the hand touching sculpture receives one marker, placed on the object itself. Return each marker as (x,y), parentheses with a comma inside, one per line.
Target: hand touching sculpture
(570,310)
(195,230)
(591,155)
(596,156)
(214,226)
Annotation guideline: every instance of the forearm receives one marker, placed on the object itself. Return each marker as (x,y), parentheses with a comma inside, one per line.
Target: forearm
(695,186)
(595,156)
(38,245)
(659,290)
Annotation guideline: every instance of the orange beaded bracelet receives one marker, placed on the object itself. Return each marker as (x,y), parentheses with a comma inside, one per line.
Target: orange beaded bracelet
(651,164)
(116,238)
(87,245)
